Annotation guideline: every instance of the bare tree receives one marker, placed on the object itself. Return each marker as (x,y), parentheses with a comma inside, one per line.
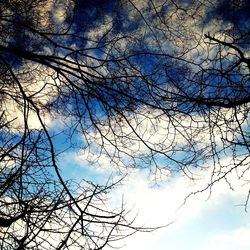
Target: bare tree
(158,84)
(39,209)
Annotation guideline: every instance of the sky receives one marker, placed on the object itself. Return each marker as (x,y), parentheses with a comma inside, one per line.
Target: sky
(217,223)
(216,220)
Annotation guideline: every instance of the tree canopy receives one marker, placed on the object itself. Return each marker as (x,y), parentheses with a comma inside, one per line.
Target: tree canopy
(151,84)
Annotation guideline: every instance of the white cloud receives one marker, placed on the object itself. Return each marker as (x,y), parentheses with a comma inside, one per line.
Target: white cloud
(216,223)
(235,239)
(100,30)
(38,84)
(60,14)
(126,142)
(53,12)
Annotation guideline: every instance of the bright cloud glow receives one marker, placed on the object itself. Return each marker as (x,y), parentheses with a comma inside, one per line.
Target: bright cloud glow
(215,223)
(206,221)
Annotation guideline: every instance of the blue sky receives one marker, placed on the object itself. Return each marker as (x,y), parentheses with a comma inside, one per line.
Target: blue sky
(208,221)
(215,222)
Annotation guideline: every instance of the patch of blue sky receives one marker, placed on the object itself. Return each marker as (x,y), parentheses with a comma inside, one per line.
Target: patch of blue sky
(236,14)
(87,13)
(72,158)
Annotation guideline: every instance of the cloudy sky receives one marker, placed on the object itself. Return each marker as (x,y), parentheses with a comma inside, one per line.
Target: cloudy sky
(112,137)
(215,220)
(218,223)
